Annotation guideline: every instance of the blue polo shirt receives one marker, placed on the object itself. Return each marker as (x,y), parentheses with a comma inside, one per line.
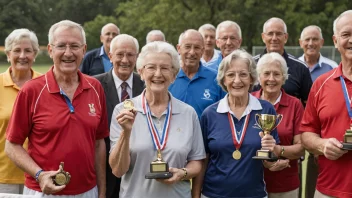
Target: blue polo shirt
(324,65)
(214,62)
(225,176)
(200,91)
(106,60)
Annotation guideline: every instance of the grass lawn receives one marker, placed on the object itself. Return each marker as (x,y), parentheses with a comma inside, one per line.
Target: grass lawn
(41,68)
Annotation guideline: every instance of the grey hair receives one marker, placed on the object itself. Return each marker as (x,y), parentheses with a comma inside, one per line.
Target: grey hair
(180,38)
(312,26)
(154,32)
(123,37)
(206,27)
(18,35)
(338,18)
(226,63)
(226,24)
(277,20)
(272,58)
(102,29)
(66,24)
(159,47)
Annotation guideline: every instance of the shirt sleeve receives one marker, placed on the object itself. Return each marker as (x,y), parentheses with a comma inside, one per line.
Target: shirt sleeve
(115,128)
(103,128)
(197,150)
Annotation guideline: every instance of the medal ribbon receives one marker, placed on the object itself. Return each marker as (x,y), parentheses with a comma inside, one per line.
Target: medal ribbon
(237,141)
(347,98)
(159,142)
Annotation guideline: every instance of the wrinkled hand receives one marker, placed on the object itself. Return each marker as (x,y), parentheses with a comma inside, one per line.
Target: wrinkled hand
(176,177)
(126,119)
(278,165)
(332,149)
(46,182)
(268,142)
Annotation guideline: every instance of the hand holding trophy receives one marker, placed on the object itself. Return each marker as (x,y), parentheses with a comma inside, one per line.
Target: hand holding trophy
(267,123)
(347,139)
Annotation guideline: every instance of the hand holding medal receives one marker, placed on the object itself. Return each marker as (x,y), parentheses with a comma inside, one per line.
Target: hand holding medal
(62,177)
(127,115)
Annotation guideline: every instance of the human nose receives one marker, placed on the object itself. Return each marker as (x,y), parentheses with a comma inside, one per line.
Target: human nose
(237,78)
(271,76)
(310,42)
(228,41)
(22,54)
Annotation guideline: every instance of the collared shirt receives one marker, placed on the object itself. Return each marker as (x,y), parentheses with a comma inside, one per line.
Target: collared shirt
(214,62)
(106,60)
(200,91)
(118,83)
(184,144)
(323,65)
(9,172)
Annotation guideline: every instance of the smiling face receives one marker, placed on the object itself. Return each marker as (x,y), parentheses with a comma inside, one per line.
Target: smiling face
(311,42)
(209,39)
(191,49)
(275,36)
(109,32)
(21,55)
(271,78)
(229,40)
(343,37)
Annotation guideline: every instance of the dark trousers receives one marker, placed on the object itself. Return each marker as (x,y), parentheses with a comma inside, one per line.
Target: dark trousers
(311,176)
(112,182)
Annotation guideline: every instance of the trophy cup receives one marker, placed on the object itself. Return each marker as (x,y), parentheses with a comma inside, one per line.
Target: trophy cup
(158,169)
(267,123)
(347,139)
(62,177)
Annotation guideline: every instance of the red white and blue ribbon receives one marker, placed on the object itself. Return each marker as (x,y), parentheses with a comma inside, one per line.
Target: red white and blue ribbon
(159,142)
(238,138)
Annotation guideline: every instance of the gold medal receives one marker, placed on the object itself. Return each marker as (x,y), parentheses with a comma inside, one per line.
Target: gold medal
(128,104)
(62,177)
(236,155)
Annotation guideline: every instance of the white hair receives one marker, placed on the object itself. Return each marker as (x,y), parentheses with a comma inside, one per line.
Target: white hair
(123,37)
(338,18)
(206,27)
(18,35)
(102,29)
(226,24)
(312,26)
(275,19)
(270,59)
(66,24)
(154,32)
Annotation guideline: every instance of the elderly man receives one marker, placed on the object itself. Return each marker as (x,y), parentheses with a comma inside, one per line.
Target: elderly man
(195,84)
(63,115)
(211,57)
(328,115)
(119,84)
(275,36)
(155,35)
(97,60)
(311,42)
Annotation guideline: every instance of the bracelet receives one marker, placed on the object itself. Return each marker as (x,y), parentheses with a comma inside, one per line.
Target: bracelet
(37,175)
(282,151)
(184,174)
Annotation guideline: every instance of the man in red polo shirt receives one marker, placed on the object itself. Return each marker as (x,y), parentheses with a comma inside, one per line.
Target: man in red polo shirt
(327,116)
(63,115)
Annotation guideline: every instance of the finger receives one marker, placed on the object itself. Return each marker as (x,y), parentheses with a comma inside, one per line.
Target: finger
(261,134)
(56,189)
(336,143)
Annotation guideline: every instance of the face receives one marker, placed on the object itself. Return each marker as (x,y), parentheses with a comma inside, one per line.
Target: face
(108,33)
(228,40)
(311,42)
(209,39)
(157,72)
(237,78)
(67,50)
(191,49)
(21,55)
(123,58)
(275,37)
(343,37)
(271,78)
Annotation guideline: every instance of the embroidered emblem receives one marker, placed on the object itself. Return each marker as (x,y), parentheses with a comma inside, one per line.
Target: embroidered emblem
(206,93)
(91,110)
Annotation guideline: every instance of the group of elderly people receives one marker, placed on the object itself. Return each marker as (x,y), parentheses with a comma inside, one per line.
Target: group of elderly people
(216,151)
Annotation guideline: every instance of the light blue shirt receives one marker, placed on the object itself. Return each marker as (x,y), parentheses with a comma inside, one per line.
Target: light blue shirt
(324,65)
(214,62)
(106,61)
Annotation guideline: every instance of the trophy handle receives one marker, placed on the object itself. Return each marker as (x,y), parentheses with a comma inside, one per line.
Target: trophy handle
(278,120)
(256,118)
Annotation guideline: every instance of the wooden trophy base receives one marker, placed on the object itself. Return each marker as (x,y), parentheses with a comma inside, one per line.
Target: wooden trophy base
(346,146)
(265,155)
(158,175)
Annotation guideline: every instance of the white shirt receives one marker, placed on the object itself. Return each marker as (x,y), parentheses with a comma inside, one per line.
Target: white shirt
(118,83)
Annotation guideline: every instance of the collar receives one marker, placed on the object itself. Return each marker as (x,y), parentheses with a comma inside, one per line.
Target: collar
(201,73)
(176,104)
(319,63)
(53,87)
(118,81)
(8,82)
(284,100)
(102,51)
(253,104)
(338,72)
(285,55)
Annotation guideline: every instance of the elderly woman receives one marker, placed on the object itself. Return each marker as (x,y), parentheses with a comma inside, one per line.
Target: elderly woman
(21,48)
(281,177)
(135,135)
(231,136)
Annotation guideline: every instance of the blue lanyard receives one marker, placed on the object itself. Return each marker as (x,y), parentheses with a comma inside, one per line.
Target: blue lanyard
(345,94)
(68,101)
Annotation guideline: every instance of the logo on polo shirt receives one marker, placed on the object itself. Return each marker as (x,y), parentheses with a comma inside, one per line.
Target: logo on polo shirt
(91,110)
(206,94)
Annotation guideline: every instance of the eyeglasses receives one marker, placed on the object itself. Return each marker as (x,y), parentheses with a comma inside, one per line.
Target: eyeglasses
(151,68)
(278,34)
(243,75)
(232,39)
(63,46)
(128,55)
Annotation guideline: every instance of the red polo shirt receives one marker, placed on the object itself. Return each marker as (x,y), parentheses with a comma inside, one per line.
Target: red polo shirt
(292,110)
(326,114)
(55,135)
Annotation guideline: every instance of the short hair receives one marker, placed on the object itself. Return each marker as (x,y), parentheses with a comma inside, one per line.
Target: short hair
(180,38)
(339,17)
(277,20)
(154,32)
(312,26)
(123,37)
(226,62)
(67,24)
(206,27)
(226,24)
(159,47)
(118,29)
(183,34)
(272,58)
(18,35)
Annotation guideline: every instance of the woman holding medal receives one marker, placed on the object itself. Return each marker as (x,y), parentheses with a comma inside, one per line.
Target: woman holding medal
(231,136)
(281,177)
(158,126)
